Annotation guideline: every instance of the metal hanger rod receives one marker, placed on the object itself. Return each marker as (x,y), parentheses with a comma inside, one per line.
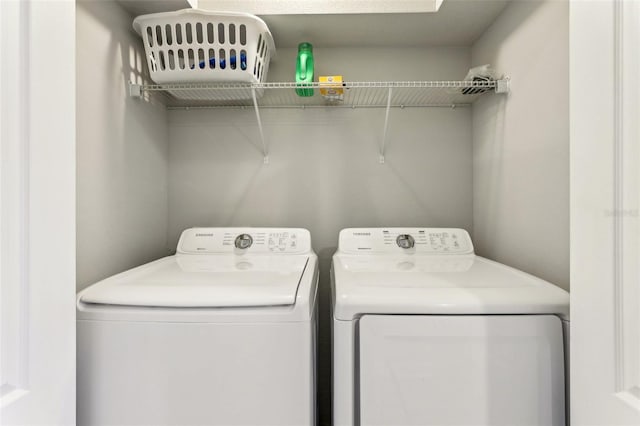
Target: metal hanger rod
(386,125)
(265,152)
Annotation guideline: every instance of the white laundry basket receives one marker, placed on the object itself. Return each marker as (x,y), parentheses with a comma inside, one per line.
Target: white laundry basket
(197,46)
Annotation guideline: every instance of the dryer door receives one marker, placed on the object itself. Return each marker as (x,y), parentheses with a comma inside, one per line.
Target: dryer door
(461,370)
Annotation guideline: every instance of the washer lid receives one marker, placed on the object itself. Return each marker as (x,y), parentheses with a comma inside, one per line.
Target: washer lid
(378,284)
(204,281)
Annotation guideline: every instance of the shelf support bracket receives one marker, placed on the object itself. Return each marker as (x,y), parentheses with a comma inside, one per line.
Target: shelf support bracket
(265,152)
(135,90)
(502,86)
(386,126)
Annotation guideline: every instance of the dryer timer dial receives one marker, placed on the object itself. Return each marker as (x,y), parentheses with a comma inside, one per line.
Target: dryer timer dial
(243,241)
(405,241)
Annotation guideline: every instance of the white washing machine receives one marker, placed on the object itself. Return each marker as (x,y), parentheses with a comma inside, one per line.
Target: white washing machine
(427,333)
(222,333)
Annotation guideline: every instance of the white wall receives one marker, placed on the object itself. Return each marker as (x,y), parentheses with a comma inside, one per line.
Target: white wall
(122,150)
(324,173)
(521,143)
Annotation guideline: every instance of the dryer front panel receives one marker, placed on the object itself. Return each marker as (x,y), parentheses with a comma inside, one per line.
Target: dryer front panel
(502,370)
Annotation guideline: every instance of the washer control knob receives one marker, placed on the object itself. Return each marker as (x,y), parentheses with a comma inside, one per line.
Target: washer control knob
(405,241)
(243,241)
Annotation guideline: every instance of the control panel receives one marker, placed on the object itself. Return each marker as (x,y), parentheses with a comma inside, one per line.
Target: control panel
(406,240)
(245,240)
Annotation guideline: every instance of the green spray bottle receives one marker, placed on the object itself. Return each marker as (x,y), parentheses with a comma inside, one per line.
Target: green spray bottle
(304,69)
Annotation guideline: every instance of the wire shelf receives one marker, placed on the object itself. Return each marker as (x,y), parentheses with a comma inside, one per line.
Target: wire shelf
(382,94)
(354,94)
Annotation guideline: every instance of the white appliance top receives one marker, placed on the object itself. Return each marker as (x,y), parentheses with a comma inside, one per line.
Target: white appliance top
(431,271)
(215,267)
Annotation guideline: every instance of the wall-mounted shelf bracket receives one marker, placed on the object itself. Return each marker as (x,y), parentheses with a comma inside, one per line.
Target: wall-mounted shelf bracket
(265,152)
(135,90)
(502,85)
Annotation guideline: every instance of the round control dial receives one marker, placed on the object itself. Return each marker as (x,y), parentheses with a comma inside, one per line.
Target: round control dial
(405,241)
(243,241)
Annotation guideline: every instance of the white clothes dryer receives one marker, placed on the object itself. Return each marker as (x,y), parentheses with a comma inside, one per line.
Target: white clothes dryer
(427,333)
(222,333)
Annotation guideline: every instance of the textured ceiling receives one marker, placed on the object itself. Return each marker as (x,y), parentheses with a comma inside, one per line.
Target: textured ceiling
(142,7)
(457,23)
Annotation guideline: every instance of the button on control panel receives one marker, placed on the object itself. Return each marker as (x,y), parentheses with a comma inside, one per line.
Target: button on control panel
(444,241)
(282,241)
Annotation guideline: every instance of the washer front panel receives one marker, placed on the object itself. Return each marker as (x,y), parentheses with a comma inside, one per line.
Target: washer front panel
(461,370)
